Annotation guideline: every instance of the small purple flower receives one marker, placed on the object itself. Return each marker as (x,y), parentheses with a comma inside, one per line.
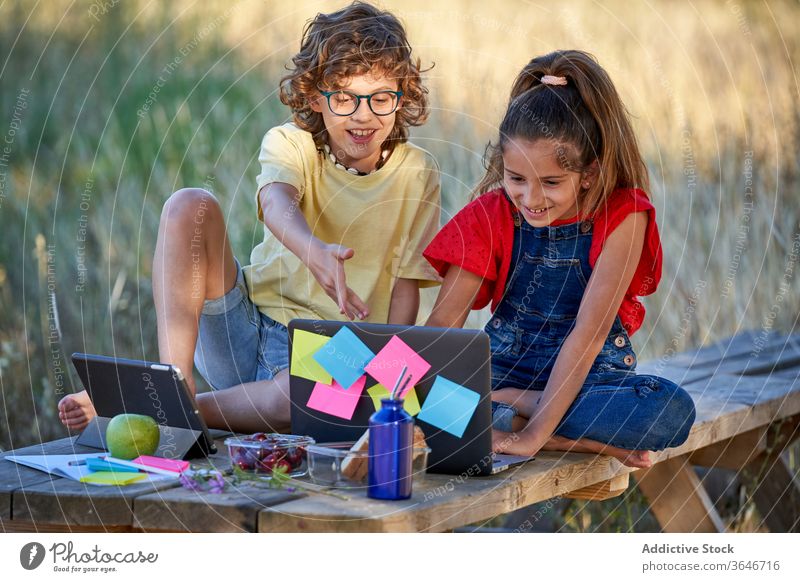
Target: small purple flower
(216,483)
(188,482)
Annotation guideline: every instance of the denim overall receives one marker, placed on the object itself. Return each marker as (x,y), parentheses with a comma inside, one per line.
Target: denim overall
(550,270)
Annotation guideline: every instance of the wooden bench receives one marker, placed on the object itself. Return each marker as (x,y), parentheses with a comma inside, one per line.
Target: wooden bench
(747,392)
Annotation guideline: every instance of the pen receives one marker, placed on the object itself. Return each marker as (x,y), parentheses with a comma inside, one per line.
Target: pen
(76,463)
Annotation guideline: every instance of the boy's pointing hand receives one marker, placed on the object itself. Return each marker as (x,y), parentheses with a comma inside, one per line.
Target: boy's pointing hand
(327,265)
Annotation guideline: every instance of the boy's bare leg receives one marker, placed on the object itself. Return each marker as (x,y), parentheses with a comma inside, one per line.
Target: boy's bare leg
(526,402)
(193,262)
(253,407)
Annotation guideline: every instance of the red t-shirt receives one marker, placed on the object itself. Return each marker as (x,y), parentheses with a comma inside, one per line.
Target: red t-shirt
(480,239)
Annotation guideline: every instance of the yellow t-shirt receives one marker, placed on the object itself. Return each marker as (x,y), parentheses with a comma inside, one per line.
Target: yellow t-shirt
(387,217)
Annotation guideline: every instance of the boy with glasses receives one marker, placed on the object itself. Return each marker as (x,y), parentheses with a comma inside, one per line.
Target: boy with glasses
(347,203)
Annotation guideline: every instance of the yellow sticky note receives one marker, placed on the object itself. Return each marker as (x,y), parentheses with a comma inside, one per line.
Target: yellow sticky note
(410,403)
(304,345)
(112,478)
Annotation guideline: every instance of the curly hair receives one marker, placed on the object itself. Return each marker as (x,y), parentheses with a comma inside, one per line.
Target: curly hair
(355,40)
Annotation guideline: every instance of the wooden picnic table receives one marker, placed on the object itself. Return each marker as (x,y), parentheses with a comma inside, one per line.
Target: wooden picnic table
(747,393)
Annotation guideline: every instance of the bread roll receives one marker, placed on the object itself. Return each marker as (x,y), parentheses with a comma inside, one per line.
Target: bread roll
(355,467)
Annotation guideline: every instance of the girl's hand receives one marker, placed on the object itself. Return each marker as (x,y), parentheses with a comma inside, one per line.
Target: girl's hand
(76,410)
(500,440)
(326,263)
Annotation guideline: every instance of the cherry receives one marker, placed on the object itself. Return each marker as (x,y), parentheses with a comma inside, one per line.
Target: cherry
(283,464)
(295,457)
(244,461)
(266,464)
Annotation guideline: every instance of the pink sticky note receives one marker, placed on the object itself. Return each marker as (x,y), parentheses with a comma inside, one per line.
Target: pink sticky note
(161,463)
(335,400)
(386,366)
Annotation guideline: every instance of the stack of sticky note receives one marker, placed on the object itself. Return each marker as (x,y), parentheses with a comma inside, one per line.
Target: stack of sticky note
(339,366)
(111,471)
(336,365)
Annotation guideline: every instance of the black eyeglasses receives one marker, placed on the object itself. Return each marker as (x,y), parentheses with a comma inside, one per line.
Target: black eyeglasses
(344,103)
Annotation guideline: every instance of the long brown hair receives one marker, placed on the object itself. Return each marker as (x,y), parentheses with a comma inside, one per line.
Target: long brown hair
(585,117)
(355,40)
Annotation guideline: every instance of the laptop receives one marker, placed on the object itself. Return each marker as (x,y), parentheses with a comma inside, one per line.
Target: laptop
(122,386)
(461,356)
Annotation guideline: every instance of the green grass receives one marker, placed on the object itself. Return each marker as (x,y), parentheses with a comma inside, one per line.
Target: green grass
(712,88)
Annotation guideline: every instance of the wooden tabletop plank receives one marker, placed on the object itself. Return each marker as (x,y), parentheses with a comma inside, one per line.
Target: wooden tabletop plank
(777,353)
(442,502)
(735,348)
(15,477)
(180,509)
(67,502)
(59,501)
(235,510)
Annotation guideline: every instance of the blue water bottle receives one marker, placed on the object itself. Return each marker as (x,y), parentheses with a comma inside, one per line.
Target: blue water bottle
(391,441)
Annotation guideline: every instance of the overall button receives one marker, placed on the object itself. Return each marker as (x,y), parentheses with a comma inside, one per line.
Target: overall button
(629,360)
(619,341)
(586,226)
(496,323)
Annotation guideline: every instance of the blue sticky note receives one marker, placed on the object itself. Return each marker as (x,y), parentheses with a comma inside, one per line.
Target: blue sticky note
(103,465)
(344,357)
(449,406)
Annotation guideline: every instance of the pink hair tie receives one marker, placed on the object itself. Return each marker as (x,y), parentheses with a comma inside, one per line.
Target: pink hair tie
(551,80)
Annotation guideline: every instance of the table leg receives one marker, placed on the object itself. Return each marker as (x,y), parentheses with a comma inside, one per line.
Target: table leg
(677,497)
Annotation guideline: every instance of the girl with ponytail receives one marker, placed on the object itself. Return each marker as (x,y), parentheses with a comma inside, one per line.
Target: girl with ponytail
(561,237)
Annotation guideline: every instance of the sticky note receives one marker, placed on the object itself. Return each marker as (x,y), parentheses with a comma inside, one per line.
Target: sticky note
(103,465)
(344,357)
(387,364)
(174,465)
(112,478)
(304,345)
(334,399)
(410,402)
(449,406)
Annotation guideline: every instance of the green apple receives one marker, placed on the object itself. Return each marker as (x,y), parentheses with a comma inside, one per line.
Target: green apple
(131,435)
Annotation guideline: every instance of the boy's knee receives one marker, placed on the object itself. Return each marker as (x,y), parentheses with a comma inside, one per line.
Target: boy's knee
(194,205)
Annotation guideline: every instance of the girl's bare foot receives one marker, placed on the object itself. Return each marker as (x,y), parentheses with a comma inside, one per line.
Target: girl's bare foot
(639,459)
(629,458)
(76,410)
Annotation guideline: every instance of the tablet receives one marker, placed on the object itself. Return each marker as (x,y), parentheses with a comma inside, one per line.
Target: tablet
(122,386)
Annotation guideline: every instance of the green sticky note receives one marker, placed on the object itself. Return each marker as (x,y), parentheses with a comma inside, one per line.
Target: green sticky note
(112,478)
(410,402)
(304,345)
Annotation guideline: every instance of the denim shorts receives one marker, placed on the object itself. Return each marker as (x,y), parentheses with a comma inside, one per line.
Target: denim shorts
(502,416)
(237,343)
